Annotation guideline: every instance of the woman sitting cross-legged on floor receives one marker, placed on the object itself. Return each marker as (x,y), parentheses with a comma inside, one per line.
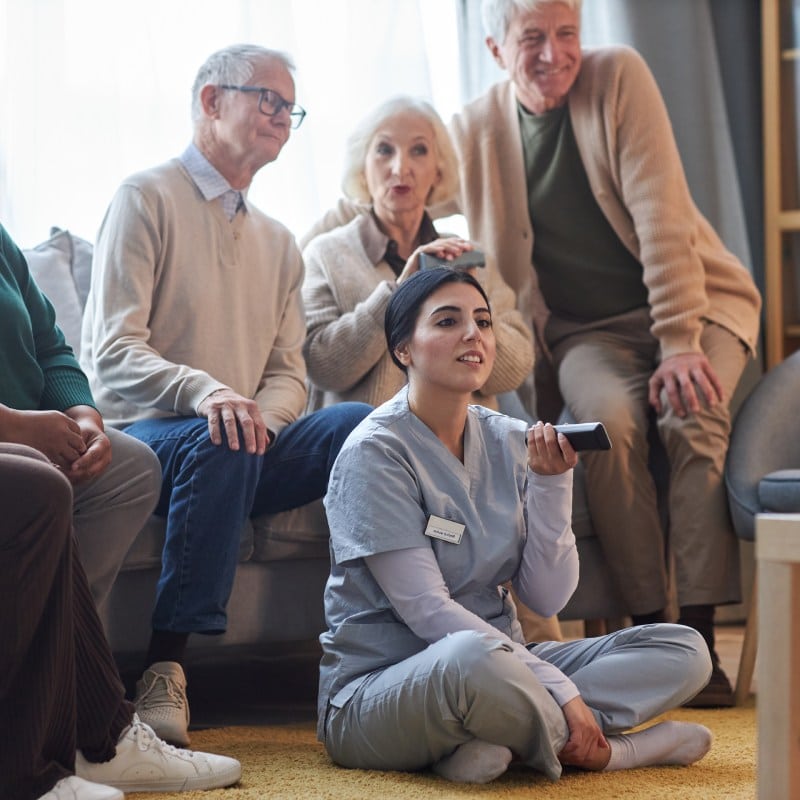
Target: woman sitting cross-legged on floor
(433,503)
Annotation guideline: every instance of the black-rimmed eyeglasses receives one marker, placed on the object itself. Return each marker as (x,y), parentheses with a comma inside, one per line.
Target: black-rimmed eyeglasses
(271,103)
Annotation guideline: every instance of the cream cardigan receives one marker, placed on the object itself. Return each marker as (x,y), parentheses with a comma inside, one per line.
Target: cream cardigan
(345,293)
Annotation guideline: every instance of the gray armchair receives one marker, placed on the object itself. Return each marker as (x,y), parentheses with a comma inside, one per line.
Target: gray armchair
(762,472)
(763,468)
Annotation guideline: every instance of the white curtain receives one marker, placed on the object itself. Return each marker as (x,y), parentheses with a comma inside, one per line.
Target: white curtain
(93,90)
(677,41)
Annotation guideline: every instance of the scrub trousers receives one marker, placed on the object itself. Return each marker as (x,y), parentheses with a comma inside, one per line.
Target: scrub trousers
(472,685)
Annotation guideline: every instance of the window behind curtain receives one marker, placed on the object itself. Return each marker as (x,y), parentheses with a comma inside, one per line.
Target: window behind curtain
(93,90)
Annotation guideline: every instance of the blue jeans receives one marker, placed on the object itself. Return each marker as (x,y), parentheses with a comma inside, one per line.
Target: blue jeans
(208,492)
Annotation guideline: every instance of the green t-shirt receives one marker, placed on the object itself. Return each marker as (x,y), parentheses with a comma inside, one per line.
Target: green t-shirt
(584,270)
(38,370)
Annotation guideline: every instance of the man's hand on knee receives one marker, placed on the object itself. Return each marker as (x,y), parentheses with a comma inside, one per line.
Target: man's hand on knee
(225,409)
(682,377)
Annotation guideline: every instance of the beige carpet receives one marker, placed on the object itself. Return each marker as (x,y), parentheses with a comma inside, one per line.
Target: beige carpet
(287,762)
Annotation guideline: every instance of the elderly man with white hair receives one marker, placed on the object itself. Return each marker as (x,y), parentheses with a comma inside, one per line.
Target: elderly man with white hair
(193,340)
(571,174)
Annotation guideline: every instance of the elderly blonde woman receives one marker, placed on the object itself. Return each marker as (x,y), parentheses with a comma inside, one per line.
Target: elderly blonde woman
(399,160)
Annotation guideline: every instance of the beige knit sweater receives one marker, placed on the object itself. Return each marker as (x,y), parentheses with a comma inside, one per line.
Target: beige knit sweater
(346,290)
(184,302)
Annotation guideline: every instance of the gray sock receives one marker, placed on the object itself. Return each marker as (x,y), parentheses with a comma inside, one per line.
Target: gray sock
(474,761)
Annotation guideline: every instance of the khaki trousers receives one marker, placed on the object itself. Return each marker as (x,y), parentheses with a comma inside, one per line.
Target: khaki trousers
(110,510)
(603,369)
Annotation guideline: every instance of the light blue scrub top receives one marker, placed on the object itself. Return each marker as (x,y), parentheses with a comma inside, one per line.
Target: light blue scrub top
(390,476)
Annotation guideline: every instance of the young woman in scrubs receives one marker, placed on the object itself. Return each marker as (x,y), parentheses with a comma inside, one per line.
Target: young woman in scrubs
(433,504)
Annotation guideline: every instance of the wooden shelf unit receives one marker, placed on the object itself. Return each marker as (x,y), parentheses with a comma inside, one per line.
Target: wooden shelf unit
(781,86)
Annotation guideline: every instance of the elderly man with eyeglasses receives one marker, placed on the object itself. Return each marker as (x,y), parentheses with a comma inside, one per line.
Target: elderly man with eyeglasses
(193,339)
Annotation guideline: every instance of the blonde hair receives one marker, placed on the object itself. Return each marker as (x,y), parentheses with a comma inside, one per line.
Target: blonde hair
(354,182)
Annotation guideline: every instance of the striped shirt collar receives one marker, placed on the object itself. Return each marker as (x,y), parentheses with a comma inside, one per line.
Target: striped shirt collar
(211,183)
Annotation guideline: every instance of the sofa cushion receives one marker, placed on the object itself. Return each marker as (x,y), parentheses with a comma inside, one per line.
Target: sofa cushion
(145,552)
(296,534)
(81,264)
(62,267)
(779,492)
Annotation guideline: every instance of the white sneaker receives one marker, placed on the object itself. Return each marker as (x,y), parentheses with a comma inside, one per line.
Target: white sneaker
(75,788)
(161,702)
(144,763)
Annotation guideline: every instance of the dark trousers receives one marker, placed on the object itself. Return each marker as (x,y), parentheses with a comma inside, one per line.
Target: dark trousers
(59,686)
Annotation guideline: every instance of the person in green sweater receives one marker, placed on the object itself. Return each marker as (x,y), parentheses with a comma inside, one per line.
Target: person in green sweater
(46,404)
(65,482)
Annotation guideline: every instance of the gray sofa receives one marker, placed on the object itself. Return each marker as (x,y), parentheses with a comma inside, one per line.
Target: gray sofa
(277,594)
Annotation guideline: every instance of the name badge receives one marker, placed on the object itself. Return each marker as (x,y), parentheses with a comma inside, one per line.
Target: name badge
(444,529)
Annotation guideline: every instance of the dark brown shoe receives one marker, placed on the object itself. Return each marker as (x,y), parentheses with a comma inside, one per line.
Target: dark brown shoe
(716,694)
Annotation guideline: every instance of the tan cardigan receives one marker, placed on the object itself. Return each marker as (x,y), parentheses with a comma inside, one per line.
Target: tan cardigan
(346,290)
(626,143)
